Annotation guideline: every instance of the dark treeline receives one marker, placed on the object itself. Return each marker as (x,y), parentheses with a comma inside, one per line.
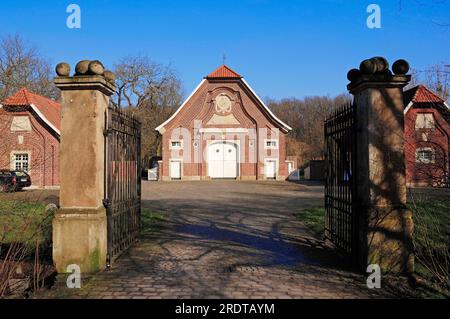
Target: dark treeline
(306,117)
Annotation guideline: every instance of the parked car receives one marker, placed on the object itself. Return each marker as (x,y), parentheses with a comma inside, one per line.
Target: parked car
(22,179)
(7,181)
(14,180)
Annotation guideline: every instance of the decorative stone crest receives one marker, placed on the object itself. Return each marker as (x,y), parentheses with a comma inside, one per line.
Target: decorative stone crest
(84,68)
(223,104)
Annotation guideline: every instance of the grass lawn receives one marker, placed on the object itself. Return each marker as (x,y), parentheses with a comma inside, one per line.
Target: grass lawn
(431,217)
(314,219)
(24,222)
(431,237)
(432,221)
(150,219)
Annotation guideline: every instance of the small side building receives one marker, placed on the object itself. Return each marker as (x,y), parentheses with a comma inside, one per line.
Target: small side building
(427,138)
(30,135)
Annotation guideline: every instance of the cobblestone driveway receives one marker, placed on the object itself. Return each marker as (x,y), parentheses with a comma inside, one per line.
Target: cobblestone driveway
(227,240)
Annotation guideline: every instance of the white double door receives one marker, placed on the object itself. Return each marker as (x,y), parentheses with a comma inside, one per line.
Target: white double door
(223,160)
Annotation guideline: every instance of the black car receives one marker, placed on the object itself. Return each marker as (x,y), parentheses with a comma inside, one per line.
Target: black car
(22,179)
(14,180)
(7,181)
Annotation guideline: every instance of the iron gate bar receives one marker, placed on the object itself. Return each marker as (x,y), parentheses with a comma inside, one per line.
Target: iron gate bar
(340,179)
(123,182)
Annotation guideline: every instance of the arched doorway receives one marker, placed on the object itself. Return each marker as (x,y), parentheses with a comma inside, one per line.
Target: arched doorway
(223,160)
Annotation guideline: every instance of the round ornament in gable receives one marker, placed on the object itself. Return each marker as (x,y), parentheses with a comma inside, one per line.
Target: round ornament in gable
(63,69)
(400,67)
(367,67)
(82,67)
(223,103)
(96,68)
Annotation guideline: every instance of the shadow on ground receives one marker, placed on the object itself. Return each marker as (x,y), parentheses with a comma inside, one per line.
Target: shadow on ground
(228,240)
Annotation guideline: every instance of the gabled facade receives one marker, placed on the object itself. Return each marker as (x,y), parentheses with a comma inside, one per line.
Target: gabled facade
(29,135)
(224,130)
(427,138)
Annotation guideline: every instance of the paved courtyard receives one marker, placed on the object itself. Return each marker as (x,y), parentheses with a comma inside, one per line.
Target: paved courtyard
(225,239)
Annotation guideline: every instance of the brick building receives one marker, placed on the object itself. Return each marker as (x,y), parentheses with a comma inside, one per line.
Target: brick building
(427,138)
(29,135)
(224,130)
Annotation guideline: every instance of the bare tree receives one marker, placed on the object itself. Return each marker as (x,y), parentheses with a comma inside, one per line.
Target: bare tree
(152,91)
(435,77)
(306,117)
(22,66)
(142,82)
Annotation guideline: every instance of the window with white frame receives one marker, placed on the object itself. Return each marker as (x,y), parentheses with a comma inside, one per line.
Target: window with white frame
(271,144)
(424,120)
(424,155)
(176,144)
(21,162)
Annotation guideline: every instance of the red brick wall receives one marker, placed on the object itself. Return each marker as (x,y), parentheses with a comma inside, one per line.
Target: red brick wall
(426,174)
(248,112)
(41,143)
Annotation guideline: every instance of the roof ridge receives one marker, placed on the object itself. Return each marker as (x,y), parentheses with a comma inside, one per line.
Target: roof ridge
(26,93)
(421,92)
(224,71)
(431,92)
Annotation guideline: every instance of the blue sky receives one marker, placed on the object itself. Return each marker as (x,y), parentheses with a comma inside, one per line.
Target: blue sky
(282,48)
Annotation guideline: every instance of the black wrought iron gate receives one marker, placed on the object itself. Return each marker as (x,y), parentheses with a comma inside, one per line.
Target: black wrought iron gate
(122,180)
(341,206)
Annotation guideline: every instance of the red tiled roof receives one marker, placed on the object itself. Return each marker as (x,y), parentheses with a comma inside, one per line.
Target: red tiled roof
(421,94)
(50,109)
(422,97)
(224,72)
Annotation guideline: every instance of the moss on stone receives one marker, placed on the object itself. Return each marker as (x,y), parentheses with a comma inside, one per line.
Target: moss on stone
(94,259)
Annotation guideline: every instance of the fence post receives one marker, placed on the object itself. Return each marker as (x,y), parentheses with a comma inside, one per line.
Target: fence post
(80,225)
(385,223)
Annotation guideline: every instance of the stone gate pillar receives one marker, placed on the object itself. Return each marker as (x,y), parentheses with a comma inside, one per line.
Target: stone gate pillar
(385,224)
(80,226)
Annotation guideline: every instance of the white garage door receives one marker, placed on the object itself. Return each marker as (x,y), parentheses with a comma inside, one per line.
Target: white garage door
(222,160)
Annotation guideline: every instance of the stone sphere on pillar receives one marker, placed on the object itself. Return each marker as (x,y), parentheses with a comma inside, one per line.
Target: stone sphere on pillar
(367,67)
(96,68)
(63,69)
(353,75)
(381,64)
(82,67)
(109,76)
(400,67)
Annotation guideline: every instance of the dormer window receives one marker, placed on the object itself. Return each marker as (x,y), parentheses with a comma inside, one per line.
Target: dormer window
(424,121)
